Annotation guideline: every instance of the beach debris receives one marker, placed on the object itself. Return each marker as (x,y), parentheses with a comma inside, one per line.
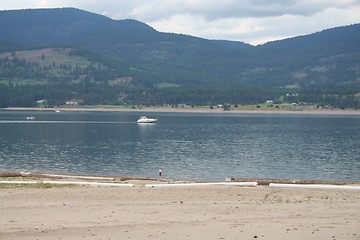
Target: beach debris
(69,183)
(319,186)
(78,177)
(239,184)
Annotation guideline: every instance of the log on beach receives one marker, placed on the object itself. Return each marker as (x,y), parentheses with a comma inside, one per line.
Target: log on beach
(267,181)
(10,174)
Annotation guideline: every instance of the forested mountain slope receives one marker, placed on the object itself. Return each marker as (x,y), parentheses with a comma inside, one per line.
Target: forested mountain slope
(129,49)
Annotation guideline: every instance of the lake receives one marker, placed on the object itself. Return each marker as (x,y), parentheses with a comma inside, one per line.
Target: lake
(188,146)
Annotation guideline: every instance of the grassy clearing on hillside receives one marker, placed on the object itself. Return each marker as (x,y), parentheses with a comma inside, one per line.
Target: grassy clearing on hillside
(22,82)
(292,86)
(49,56)
(166,85)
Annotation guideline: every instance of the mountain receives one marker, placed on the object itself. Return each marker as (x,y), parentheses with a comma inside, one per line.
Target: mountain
(329,57)
(167,55)
(124,39)
(39,27)
(129,49)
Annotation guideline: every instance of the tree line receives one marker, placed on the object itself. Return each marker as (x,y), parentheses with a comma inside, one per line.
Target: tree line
(104,94)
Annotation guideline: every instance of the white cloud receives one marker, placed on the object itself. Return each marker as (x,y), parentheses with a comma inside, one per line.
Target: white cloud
(253,21)
(297,18)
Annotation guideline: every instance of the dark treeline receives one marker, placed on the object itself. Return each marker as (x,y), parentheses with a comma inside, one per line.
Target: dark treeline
(203,95)
(57,94)
(100,93)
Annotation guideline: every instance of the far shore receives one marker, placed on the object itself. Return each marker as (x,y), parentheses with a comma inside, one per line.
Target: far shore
(306,111)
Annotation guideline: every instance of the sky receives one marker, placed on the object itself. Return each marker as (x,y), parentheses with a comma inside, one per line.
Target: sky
(250,21)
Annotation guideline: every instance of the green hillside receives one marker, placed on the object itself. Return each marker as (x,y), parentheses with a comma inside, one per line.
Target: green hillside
(50,53)
(52,65)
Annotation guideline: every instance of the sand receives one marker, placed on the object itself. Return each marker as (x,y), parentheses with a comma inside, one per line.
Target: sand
(211,212)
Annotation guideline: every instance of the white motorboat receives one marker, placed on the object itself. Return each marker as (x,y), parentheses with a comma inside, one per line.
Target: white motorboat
(144,119)
(30,118)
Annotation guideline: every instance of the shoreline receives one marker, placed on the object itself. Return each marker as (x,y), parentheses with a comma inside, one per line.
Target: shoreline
(194,110)
(40,177)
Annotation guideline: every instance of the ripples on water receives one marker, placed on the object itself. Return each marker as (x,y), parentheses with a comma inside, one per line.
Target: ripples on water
(185,146)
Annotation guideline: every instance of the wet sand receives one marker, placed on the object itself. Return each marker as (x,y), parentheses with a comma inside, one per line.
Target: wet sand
(208,212)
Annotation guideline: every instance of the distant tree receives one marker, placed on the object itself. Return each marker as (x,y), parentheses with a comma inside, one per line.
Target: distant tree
(226,107)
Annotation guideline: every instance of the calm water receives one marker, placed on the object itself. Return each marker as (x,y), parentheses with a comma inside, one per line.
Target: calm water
(184,145)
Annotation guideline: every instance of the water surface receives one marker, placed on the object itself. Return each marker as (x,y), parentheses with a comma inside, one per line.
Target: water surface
(197,146)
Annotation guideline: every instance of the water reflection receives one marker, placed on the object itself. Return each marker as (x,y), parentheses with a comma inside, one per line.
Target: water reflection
(185,146)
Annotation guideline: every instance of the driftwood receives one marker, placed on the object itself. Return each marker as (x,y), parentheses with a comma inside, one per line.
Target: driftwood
(10,174)
(125,178)
(56,176)
(291,181)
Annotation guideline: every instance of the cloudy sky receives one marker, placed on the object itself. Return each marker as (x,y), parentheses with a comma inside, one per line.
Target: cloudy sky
(251,21)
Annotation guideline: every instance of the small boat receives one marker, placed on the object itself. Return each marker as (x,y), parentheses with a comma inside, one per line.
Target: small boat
(57,111)
(30,118)
(144,119)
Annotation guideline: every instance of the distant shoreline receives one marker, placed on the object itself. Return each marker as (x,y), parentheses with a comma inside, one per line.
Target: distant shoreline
(194,110)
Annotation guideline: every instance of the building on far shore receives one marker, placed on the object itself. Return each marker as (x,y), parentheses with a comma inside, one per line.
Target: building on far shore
(72,102)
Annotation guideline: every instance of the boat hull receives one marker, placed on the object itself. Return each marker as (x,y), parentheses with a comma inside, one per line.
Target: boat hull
(148,120)
(144,119)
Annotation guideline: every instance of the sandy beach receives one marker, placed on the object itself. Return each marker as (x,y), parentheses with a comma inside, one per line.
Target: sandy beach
(201,212)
